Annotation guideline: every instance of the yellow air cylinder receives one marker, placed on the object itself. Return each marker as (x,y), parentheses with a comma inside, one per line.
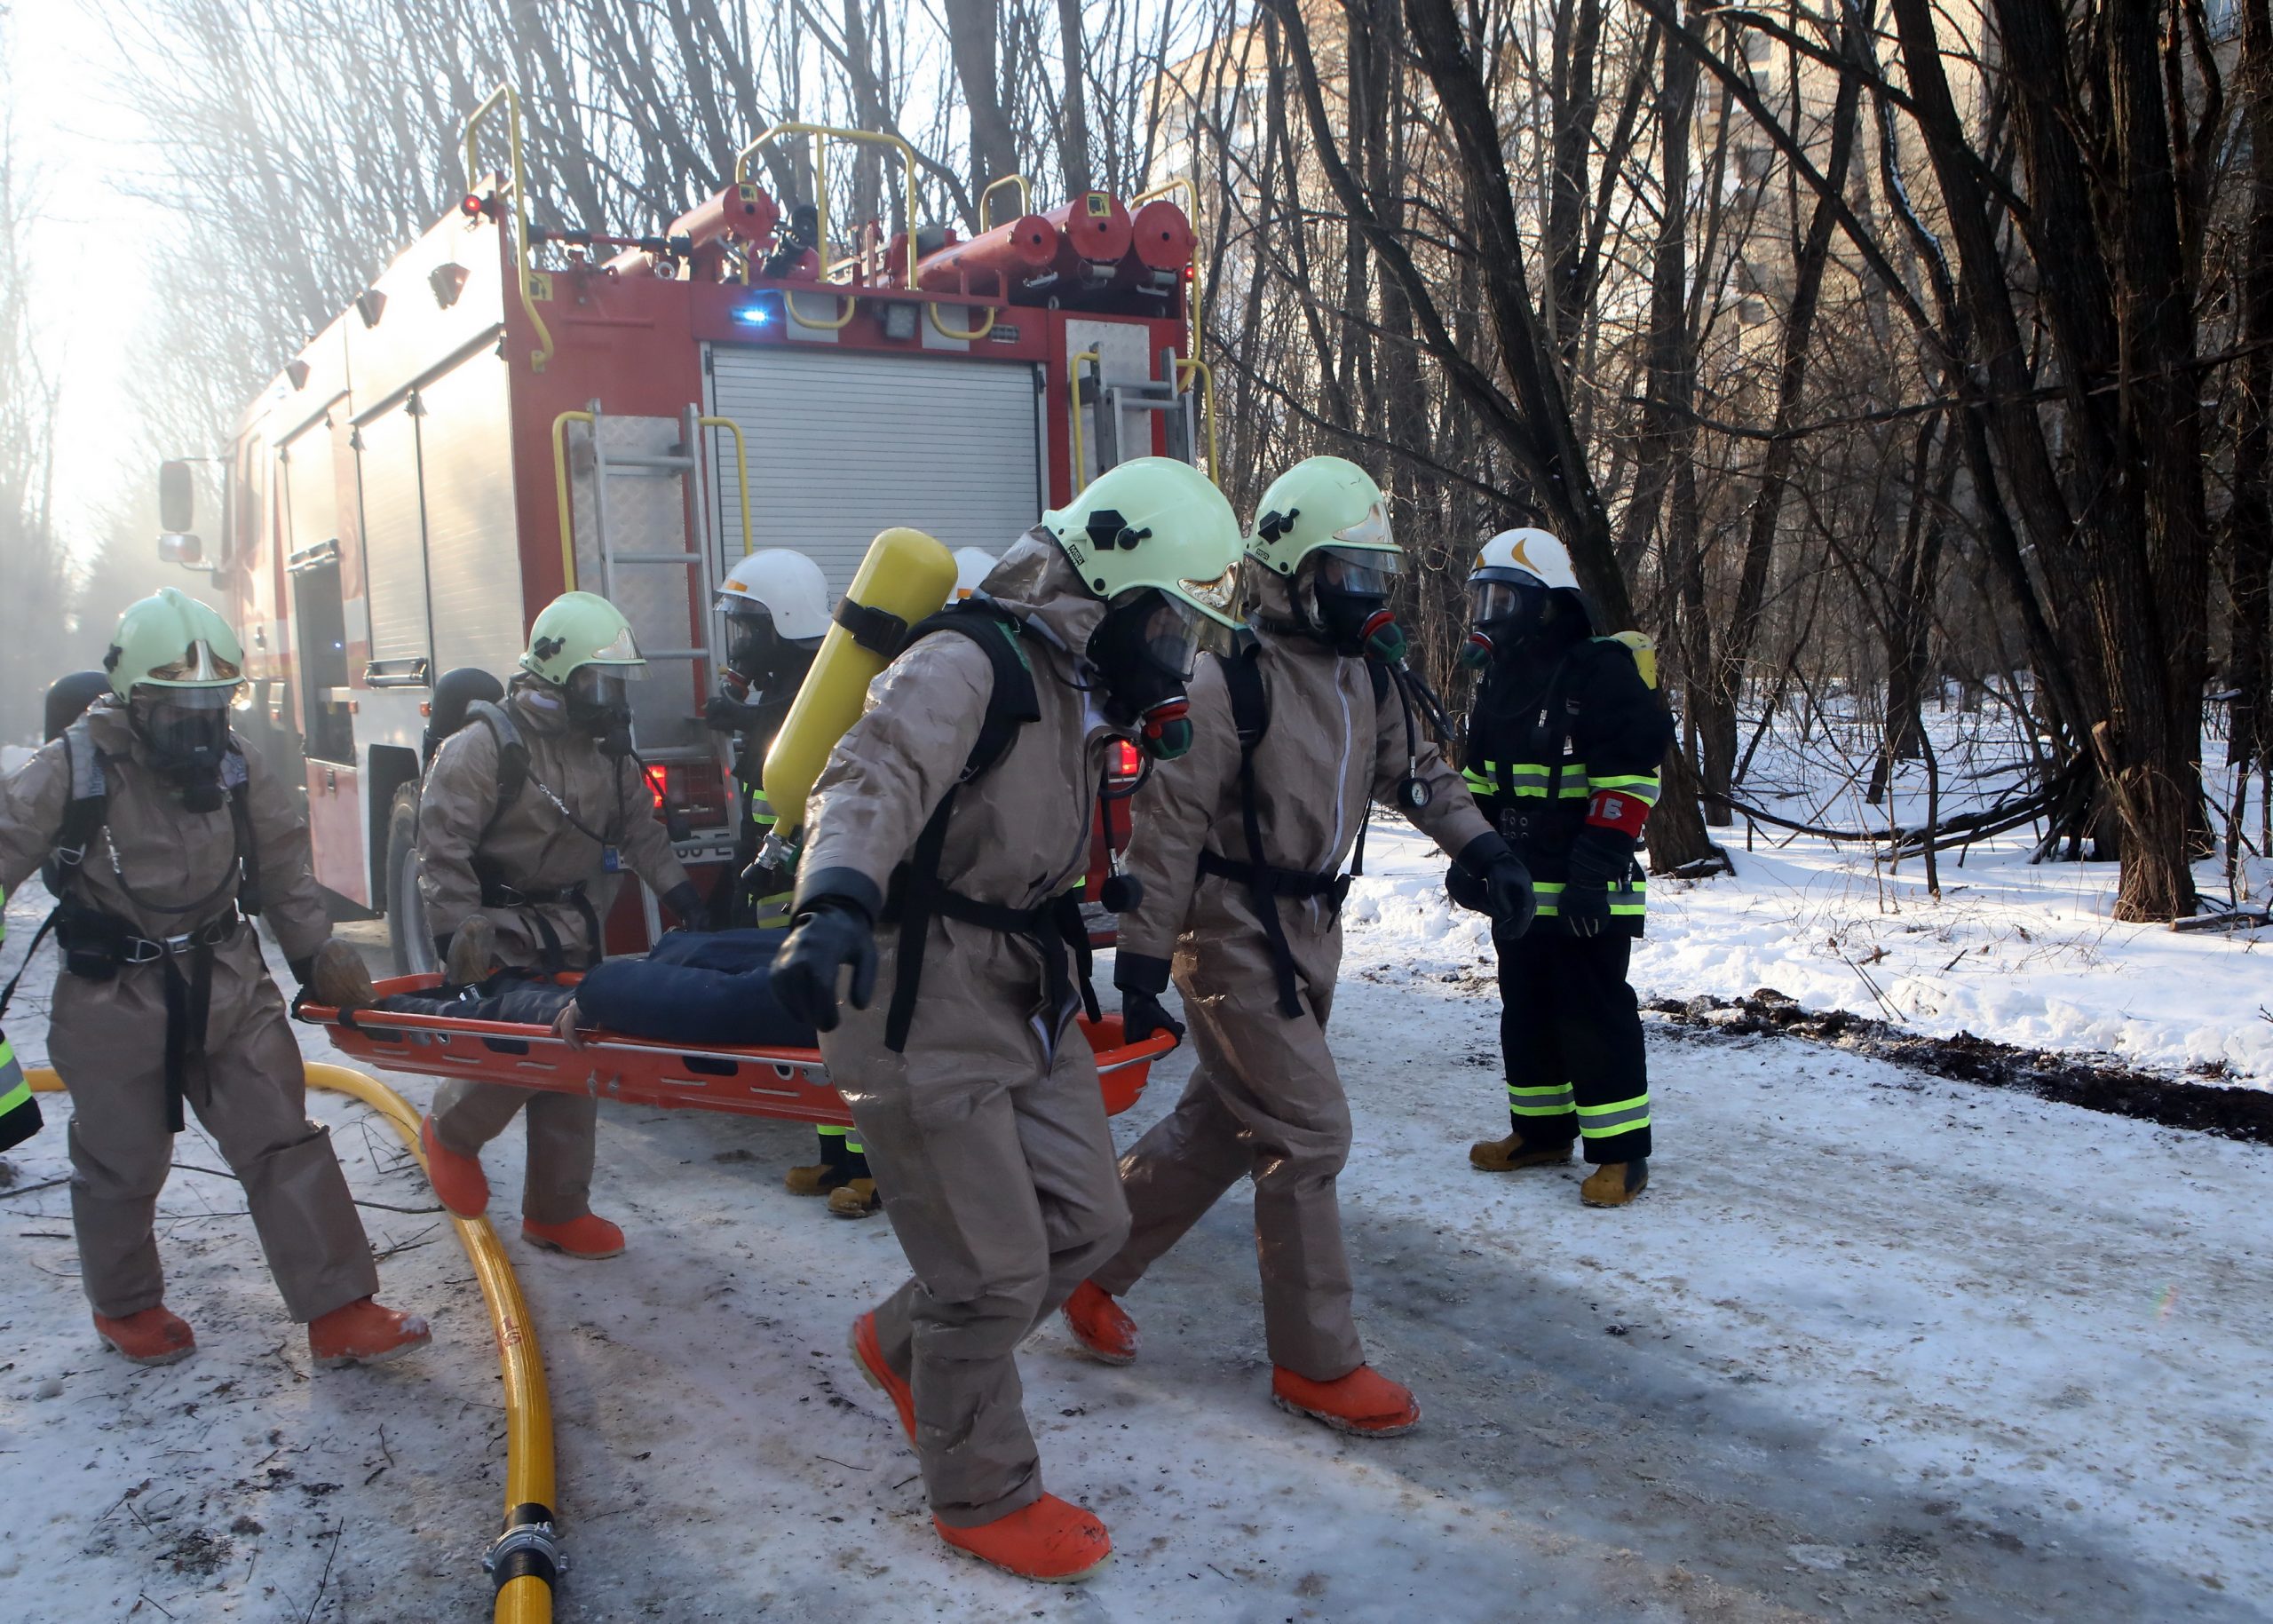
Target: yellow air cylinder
(908,575)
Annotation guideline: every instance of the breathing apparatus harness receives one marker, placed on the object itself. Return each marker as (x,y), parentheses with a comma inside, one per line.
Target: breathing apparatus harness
(514,777)
(96,944)
(917,893)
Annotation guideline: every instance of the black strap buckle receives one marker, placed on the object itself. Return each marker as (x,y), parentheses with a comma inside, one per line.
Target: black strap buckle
(877,631)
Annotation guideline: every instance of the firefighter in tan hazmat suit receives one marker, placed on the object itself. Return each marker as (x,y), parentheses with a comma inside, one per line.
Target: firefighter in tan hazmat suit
(165,831)
(975,1092)
(1239,847)
(528,818)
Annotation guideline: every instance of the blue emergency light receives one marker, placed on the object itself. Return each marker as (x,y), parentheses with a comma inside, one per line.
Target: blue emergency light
(754,315)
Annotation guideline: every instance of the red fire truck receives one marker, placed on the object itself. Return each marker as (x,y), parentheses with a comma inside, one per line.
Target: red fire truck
(506,413)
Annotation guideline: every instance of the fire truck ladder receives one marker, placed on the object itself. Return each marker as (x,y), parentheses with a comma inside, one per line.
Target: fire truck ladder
(682,462)
(1185,392)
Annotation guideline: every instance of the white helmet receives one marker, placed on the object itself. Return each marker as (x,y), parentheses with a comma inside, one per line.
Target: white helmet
(1533,551)
(1512,590)
(972,566)
(788,586)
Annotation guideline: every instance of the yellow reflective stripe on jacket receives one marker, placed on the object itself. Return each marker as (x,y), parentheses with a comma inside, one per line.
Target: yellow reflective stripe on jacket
(1528,778)
(1642,786)
(1617,1117)
(1627,900)
(14,1091)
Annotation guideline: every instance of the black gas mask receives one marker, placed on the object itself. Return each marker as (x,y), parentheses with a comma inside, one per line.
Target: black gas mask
(1506,609)
(1144,653)
(186,731)
(1342,593)
(599,704)
(762,657)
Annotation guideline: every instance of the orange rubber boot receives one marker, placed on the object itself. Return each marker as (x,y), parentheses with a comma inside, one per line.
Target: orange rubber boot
(1052,1539)
(587,1237)
(458,1181)
(868,1354)
(151,1336)
(1102,1328)
(1364,1403)
(364,1332)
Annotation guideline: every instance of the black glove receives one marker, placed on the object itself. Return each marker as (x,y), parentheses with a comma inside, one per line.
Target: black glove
(1510,898)
(685,904)
(1142,980)
(722,715)
(442,947)
(764,879)
(830,933)
(1142,1014)
(1495,882)
(303,969)
(1586,894)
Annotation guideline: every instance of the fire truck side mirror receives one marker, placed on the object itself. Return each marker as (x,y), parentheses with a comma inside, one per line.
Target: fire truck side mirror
(177,498)
(176,514)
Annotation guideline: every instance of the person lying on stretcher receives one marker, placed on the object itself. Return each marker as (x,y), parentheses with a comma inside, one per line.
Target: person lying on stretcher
(711,990)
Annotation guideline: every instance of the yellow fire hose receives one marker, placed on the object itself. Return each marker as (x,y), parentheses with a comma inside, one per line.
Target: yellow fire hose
(524,1559)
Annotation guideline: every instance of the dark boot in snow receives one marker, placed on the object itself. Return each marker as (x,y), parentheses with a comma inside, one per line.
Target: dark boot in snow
(831,1173)
(1506,1155)
(473,952)
(1615,1183)
(340,978)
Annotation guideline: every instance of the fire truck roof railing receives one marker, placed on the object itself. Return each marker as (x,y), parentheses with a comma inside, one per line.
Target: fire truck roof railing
(506,97)
(821,135)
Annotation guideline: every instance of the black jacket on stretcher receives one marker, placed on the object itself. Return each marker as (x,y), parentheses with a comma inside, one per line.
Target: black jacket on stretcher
(1565,741)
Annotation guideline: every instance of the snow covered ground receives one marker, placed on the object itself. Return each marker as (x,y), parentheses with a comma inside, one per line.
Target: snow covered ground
(1875,1346)
(2029,955)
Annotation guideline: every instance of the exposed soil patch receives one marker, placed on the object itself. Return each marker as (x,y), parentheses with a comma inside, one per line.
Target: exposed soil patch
(2117,1090)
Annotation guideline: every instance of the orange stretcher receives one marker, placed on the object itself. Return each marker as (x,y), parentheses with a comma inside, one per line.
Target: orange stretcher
(790,1084)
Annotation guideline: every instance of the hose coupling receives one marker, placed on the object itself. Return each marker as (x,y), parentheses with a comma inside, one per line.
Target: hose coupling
(530,1547)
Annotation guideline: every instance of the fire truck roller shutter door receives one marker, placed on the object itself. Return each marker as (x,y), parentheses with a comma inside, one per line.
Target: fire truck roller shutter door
(473,557)
(394,536)
(844,446)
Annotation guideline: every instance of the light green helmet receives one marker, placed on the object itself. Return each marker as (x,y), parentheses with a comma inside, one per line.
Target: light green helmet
(577,629)
(171,640)
(1154,522)
(1320,502)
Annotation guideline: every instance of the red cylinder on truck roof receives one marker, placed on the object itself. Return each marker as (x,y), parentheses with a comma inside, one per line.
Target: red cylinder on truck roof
(1161,237)
(1093,234)
(744,213)
(1005,257)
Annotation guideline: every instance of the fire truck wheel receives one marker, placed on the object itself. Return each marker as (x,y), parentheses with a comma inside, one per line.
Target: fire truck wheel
(414,948)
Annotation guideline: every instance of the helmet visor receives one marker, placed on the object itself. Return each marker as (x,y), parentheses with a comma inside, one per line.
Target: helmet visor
(1165,628)
(604,688)
(1509,595)
(187,729)
(1351,572)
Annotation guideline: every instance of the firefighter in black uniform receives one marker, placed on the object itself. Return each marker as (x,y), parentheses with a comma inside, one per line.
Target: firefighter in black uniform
(1564,742)
(776,605)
